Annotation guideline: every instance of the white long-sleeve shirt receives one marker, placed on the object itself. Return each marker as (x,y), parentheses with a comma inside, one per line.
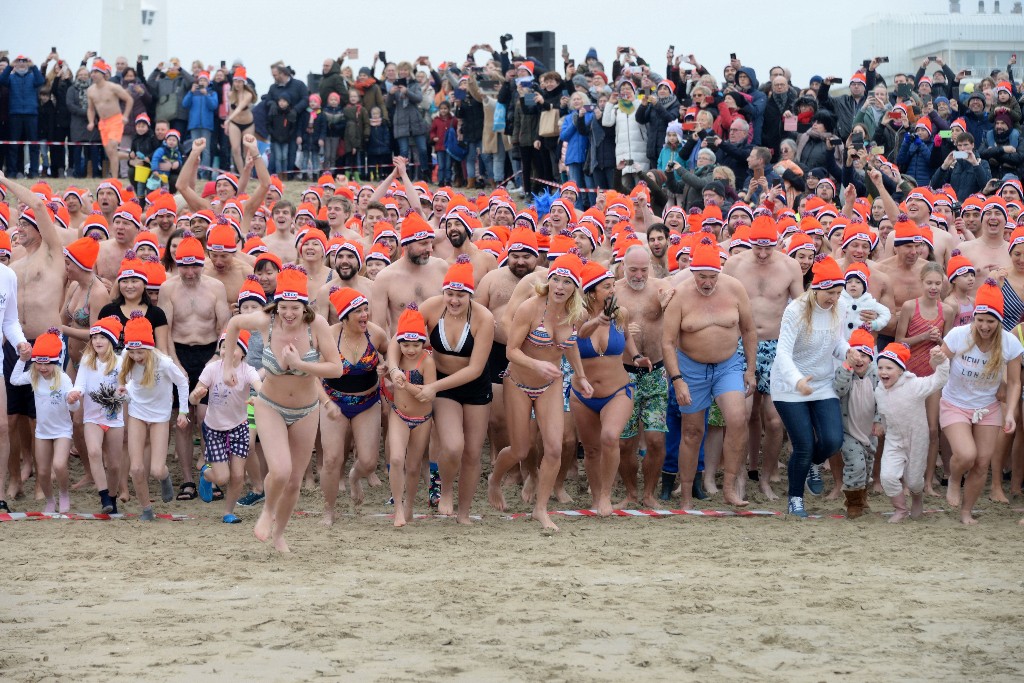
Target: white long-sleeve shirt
(9,322)
(89,380)
(802,351)
(854,307)
(153,404)
(53,414)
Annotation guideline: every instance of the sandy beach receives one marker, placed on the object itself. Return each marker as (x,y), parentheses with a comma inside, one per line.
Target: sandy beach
(674,598)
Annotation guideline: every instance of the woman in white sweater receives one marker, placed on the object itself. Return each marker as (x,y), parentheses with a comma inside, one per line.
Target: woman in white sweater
(630,135)
(811,345)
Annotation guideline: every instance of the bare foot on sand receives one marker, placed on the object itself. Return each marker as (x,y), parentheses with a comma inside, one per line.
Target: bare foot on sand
(494,495)
(604,508)
(626,503)
(280,545)
(998,495)
(967,518)
(328,518)
(83,483)
(373,480)
(734,500)
(464,519)
(917,506)
(898,516)
(446,504)
(766,490)
(399,517)
(529,490)
(710,487)
(263,525)
(356,488)
(953,494)
(651,502)
(562,496)
(545,520)
(834,493)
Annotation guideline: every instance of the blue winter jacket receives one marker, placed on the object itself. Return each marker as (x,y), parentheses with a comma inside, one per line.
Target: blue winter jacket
(577,144)
(23,99)
(201,109)
(914,158)
(758,100)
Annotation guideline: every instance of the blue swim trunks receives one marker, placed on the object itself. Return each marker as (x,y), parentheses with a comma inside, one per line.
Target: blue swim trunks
(708,381)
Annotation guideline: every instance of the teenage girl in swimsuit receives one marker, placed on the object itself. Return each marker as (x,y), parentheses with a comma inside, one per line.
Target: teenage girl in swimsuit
(351,403)
(603,347)
(239,120)
(923,323)
(461,335)
(409,421)
(298,349)
(543,330)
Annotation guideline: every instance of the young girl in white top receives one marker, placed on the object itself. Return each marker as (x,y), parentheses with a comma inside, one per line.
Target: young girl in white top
(103,414)
(226,425)
(146,378)
(50,387)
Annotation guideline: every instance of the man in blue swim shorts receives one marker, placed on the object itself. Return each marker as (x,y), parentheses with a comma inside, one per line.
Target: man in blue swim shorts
(705,320)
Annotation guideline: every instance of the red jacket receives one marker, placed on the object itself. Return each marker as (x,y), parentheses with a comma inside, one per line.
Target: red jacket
(438,129)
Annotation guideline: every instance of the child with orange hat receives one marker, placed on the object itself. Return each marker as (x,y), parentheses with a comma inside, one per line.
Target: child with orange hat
(413,369)
(961,274)
(102,414)
(50,389)
(226,425)
(854,383)
(857,299)
(147,378)
(900,397)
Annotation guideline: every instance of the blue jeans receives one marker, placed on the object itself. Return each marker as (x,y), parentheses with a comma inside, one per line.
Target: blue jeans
(80,157)
(204,160)
(279,159)
(422,161)
(22,127)
(498,160)
(444,168)
(674,419)
(815,429)
(474,154)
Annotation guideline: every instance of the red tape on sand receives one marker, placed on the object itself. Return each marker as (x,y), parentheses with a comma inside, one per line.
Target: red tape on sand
(83,516)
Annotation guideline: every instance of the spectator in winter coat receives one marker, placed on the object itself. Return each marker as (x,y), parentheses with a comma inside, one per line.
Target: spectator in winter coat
(942,83)
(656,113)
(966,175)
(334,127)
(311,139)
(577,143)
(201,101)
(734,105)
(813,148)
(169,88)
(690,184)
(357,128)
(781,100)
(333,81)
(296,94)
(746,82)
(734,151)
(1002,147)
(1006,102)
(77,104)
(438,130)
(630,136)
(979,123)
(378,144)
(144,144)
(845,107)
(408,126)
(915,155)
(24,80)
(370,92)
(599,169)
(281,120)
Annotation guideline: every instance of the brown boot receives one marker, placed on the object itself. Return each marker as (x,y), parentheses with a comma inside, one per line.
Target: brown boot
(471,184)
(854,504)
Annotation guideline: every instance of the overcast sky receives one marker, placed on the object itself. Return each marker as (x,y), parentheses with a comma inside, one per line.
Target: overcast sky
(808,36)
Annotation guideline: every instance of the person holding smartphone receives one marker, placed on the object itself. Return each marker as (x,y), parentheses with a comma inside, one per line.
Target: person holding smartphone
(963,169)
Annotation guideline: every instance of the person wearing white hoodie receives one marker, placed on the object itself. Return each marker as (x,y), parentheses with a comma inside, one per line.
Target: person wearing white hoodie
(900,399)
(856,298)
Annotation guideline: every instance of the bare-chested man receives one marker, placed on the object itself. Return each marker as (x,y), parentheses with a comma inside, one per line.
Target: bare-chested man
(645,297)
(704,323)
(105,102)
(223,263)
(126,226)
(282,240)
(904,271)
(348,261)
(40,277)
(459,228)
(989,253)
(411,279)
(196,306)
(339,211)
(14,337)
(919,210)
(771,279)
(495,292)
(658,243)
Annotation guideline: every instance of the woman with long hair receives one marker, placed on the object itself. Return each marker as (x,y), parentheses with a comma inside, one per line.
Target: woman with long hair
(544,328)
(239,121)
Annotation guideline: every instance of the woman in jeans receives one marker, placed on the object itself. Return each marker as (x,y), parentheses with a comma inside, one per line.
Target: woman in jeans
(810,344)
(575,133)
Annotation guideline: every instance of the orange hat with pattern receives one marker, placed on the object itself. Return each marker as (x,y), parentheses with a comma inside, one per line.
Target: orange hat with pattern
(862,340)
(411,325)
(958,265)
(989,299)
(138,333)
(110,327)
(251,290)
(292,285)
(345,300)
(48,347)
(897,353)
(190,251)
(460,276)
(827,273)
(84,252)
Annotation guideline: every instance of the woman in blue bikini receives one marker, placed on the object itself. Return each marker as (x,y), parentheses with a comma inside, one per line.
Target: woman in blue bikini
(543,330)
(298,349)
(601,419)
(351,403)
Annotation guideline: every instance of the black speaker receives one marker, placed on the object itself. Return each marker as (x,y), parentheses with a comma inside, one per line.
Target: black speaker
(541,44)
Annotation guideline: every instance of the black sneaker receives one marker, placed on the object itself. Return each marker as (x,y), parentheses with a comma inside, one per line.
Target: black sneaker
(3,506)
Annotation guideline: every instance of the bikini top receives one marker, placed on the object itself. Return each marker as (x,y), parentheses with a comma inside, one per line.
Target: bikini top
(439,339)
(80,316)
(270,360)
(359,377)
(414,376)
(539,335)
(616,344)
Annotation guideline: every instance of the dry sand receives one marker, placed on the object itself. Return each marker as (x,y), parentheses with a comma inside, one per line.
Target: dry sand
(680,598)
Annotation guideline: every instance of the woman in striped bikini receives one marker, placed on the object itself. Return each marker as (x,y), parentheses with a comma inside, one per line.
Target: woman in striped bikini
(543,330)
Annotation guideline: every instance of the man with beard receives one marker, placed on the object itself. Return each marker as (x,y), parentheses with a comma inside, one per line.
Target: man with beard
(646,301)
(127,222)
(704,323)
(196,307)
(770,279)
(657,242)
(348,261)
(459,226)
(409,280)
(494,292)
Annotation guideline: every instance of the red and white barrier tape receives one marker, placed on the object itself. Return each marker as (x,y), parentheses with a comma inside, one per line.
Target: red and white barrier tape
(79,516)
(57,143)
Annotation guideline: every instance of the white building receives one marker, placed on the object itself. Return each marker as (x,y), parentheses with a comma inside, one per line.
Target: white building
(977,37)
(132,28)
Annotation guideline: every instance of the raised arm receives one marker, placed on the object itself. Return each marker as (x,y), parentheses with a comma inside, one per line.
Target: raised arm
(186,183)
(47,230)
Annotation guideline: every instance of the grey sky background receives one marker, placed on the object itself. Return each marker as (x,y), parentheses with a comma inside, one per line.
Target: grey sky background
(809,37)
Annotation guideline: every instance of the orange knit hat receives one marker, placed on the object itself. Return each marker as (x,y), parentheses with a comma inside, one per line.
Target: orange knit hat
(84,252)
(292,285)
(958,265)
(704,255)
(862,340)
(568,265)
(827,273)
(251,290)
(411,325)
(138,333)
(190,251)
(989,299)
(460,276)
(896,352)
(345,300)
(110,327)
(48,347)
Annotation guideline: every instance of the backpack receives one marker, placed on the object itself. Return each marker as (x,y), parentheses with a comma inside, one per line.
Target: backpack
(456,150)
